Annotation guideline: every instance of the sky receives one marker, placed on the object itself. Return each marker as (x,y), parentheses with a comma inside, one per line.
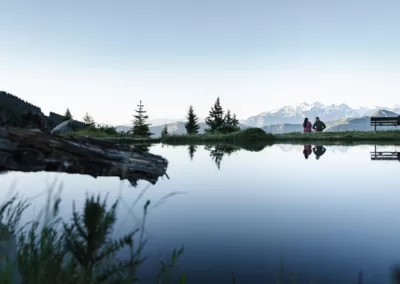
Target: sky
(103,57)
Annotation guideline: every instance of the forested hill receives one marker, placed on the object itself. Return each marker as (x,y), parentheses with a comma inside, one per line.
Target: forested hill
(12,108)
(14,103)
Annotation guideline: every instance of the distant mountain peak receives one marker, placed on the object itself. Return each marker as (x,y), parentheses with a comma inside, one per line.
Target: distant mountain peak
(384,113)
(293,114)
(318,104)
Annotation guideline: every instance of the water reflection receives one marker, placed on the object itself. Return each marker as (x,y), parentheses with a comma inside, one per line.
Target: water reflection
(217,152)
(384,155)
(191,150)
(307,151)
(319,151)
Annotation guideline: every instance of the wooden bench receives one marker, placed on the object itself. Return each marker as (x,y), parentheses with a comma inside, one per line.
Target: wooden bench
(385,121)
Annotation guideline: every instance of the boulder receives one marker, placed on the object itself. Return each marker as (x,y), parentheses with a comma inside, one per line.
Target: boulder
(29,150)
(68,126)
(63,127)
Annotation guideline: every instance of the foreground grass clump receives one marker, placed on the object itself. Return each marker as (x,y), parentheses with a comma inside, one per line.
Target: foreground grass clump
(79,251)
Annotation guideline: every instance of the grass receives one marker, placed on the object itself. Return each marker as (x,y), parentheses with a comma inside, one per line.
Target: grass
(77,251)
(115,137)
(252,139)
(256,139)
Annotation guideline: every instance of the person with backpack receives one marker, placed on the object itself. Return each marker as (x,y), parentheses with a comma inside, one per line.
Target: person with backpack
(318,126)
(307,126)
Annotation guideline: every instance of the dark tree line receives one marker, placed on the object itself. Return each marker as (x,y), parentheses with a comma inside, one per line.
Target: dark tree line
(13,108)
(217,120)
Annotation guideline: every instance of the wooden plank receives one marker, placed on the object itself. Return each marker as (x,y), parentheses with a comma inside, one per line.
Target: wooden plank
(385,118)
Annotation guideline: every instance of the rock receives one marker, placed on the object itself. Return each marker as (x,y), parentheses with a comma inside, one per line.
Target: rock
(63,127)
(29,150)
(34,120)
(6,144)
(3,133)
(68,126)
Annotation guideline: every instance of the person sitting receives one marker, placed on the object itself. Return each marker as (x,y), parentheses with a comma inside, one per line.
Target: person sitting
(318,126)
(307,125)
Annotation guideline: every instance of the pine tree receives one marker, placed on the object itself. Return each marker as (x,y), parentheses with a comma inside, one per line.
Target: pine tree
(88,120)
(228,118)
(235,122)
(231,120)
(67,115)
(216,117)
(192,126)
(140,127)
(164,132)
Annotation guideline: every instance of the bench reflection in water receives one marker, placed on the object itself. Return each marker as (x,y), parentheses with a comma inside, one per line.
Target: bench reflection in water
(385,155)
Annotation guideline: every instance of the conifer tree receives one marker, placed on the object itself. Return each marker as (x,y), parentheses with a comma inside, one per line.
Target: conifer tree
(164,132)
(235,122)
(67,114)
(231,120)
(88,120)
(228,118)
(192,126)
(216,117)
(140,127)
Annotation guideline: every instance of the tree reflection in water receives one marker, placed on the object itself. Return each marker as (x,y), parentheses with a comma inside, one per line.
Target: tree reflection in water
(217,152)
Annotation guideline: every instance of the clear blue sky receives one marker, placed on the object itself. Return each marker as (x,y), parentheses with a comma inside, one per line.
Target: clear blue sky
(104,56)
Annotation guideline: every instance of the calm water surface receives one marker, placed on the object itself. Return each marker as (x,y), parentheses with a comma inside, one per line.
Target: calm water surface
(253,213)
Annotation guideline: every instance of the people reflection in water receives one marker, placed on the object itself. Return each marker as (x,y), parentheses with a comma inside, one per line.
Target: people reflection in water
(307,151)
(318,151)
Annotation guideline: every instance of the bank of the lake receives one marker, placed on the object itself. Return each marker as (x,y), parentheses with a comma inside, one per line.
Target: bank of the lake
(258,136)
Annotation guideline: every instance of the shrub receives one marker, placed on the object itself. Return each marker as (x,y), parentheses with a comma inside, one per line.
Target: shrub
(226,129)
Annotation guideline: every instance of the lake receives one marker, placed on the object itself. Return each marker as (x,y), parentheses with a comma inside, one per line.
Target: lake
(254,213)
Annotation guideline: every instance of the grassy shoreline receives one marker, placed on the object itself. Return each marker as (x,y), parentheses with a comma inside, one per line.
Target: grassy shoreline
(257,136)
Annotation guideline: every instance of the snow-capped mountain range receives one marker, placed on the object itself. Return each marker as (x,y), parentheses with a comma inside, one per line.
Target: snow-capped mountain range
(296,113)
